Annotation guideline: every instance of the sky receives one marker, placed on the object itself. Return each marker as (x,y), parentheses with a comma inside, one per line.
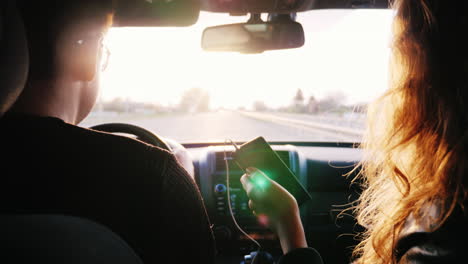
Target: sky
(345,52)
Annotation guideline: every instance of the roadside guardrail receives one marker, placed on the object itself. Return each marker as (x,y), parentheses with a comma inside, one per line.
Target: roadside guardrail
(352,132)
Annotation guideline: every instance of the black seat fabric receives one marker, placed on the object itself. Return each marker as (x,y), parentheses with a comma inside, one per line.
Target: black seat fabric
(13,55)
(57,239)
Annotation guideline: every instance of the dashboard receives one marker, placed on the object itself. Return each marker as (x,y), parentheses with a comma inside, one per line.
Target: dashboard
(319,167)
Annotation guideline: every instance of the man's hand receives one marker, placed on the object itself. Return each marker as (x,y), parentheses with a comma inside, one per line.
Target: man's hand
(275,207)
(183,156)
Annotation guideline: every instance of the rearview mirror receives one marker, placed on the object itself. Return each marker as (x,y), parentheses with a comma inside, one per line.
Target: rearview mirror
(156,13)
(253,37)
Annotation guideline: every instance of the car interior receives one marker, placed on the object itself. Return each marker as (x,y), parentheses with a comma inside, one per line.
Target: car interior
(324,167)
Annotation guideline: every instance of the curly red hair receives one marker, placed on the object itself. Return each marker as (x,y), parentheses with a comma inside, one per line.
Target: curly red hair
(416,145)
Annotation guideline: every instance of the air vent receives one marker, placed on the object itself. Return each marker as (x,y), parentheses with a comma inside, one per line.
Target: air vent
(221,166)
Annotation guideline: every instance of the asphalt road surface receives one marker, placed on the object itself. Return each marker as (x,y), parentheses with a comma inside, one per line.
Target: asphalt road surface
(217,127)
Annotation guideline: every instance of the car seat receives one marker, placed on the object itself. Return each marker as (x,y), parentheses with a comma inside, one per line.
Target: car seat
(63,239)
(13,55)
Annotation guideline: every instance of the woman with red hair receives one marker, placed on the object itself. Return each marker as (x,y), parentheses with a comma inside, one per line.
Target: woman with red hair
(414,171)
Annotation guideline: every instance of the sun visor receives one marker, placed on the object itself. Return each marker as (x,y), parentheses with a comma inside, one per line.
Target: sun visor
(156,13)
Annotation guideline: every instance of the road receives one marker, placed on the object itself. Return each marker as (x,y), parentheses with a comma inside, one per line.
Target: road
(219,126)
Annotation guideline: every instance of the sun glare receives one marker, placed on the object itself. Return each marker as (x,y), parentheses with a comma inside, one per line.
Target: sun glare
(345,52)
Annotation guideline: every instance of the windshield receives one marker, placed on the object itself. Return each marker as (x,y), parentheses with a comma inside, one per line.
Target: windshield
(162,80)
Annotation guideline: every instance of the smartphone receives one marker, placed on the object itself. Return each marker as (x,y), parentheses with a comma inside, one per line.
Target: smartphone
(259,154)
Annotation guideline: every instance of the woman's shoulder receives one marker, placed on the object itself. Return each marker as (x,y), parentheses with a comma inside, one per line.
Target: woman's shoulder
(447,244)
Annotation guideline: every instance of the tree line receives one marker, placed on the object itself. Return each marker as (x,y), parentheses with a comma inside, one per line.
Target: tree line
(198,100)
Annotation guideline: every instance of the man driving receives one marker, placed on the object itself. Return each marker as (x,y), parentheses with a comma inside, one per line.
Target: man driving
(139,191)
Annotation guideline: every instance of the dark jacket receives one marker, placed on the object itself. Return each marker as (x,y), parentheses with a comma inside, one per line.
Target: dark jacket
(446,245)
(138,191)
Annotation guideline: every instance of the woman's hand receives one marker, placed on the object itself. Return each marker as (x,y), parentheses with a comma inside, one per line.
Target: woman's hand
(275,207)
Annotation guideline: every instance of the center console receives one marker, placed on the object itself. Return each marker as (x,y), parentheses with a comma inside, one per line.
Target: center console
(214,188)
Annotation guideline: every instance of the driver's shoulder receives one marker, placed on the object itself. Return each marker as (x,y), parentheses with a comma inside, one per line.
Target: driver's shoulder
(51,140)
(108,145)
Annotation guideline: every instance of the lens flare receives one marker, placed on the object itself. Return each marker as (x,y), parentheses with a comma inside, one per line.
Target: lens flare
(260,182)
(259,179)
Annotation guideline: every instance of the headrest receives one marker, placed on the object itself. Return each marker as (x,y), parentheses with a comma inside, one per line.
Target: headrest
(13,55)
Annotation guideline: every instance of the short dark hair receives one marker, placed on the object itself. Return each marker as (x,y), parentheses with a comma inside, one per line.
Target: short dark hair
(45,21)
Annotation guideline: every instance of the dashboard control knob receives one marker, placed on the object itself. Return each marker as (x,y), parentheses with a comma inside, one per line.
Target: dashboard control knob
(220,188)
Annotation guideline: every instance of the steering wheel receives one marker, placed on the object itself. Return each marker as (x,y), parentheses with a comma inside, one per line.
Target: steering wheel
(141,133)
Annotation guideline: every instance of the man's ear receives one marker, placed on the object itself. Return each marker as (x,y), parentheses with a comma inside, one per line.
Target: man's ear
(81,49)
(80,59)
(87,59)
